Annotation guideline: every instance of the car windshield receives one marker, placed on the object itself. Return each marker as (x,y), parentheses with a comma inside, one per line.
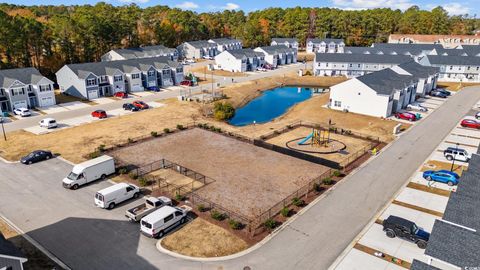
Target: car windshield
(72,176)
(31,155)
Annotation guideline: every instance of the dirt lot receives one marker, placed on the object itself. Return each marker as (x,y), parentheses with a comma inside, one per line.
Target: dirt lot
(353,144)
(242,171)
(176,179)
(61,98)
(200,238)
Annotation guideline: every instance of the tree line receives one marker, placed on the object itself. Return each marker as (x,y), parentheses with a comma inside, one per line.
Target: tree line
(47,37)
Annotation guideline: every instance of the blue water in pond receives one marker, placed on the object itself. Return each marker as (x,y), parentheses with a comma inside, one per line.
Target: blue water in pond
(270,105)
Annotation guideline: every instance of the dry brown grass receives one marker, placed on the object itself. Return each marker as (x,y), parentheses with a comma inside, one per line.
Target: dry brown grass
(439,165)
(200,238)
(216,72)
(62,98)
(455,86)
(305,55)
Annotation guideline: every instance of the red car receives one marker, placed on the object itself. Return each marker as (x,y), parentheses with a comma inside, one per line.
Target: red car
(470,123)
(140,104)
(186,83)
(121,95)
(99,114)
(406,116)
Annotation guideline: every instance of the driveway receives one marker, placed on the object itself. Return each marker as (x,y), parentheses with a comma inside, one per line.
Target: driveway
(84,237)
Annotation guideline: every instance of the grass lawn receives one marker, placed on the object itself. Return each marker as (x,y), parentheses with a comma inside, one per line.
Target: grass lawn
(200,238)
(454,86)
(61,98)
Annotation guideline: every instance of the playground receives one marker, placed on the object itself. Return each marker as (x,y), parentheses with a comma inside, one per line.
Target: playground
(247,179)
(335,146)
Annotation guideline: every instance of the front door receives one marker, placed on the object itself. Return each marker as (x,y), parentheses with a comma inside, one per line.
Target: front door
(33,102)
(4,106)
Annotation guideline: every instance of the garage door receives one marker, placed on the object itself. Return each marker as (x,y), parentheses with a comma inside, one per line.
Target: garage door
(92,94)
(47,101)
(20,104)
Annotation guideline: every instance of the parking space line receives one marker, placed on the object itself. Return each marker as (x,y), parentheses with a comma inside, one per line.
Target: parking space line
(428,189)
(466,136)
(379,221)
(418,208)
(385,257)
(462,144)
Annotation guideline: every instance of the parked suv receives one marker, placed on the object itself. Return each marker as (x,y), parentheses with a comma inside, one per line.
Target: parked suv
(48,123)
(22,112)
(459,154)
(395,226)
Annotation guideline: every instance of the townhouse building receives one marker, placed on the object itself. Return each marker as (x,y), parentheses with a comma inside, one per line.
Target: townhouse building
(278,55)
(448,41)
(240,60)
(141,52)
(226,44)
(427,77)
(198,49)
(326,45)
(94,80)
(379,94)
(25,88)
(454,68)
(287,42)
(352,65)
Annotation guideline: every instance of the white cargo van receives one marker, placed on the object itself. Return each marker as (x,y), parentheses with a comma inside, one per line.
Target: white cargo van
(88,171)
(113,195)
(157,223)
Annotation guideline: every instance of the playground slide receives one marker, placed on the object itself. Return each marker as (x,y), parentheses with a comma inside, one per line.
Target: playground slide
(306,139)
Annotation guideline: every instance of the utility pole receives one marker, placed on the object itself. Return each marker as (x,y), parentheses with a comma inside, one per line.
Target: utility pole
(3,130)
(454,157)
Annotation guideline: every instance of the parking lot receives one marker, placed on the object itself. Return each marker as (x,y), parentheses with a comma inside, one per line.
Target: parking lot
(430,103)
(420,201)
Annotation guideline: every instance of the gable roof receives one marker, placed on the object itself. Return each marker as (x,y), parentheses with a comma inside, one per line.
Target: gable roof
(453,60)
(8,249)
(326,40)
(403,46)
(143,52)
(432,38)
(419,265)
(283,40)
(225,41)
(453,244)
(198,44)
(110,67)
(386,81)
(241,53)
(277,49)
(28,75)
(362,58)
(418,70)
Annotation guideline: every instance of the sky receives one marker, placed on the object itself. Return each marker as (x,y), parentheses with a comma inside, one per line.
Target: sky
(454,7)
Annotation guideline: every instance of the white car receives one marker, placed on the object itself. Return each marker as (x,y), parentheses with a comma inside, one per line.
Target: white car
(190,61)
(416,107)
(48,123)
(261,69)
(477,115)
(208,57)
(22,112)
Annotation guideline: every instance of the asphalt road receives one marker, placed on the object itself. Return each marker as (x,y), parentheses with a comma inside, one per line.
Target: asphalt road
(84,237)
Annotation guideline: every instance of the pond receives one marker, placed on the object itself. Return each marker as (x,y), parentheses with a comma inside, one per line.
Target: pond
(270,105)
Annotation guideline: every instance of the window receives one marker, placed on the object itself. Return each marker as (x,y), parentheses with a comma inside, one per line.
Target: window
(91,82)
(168,218)
(326,64)
(178,213)
(451,67)
(359,65)
(351,65)
(337,103)
(45,88)
(135,76)
(359,93)
(129,189)
(117,78)
(18,91)
(151,72)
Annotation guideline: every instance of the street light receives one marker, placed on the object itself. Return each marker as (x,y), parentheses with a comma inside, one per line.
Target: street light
(454,157)
(3,130)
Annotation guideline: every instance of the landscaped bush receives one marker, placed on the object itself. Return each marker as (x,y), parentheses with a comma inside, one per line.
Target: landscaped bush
(337,173)
(166,130)
(180,127)
(101,147)
(142,181)
(200,125)
(122,170)
(94,154)
(154,134)
(179,197)
(213,128)
(308,73)
(327,181)
(130,140)
(201,208)
(270,223)
(217,215)
(234,224)
(285,211)
(218,130)
(317,187)
(297,202)
(133,175)
(223,111)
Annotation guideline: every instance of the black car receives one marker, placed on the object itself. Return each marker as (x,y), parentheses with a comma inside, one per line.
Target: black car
(36,156)
(395,226)
(441,90)
(130,107)
(439,94)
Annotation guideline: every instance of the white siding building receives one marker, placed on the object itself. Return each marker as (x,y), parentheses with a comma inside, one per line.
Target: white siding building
(142,52)
(326,45)
(278,55)
(240,60)
(226,44)
(454,68)
(287,42)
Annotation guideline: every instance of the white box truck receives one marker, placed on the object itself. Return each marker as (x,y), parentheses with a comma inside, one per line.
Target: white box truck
(113,195)
(88,171)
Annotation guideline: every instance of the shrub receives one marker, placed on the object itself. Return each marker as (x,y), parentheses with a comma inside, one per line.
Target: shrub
(130,140)
(94,154)
(297,202)
(218,130)
(180,127)
(213,128)
(142,181)
(285,211)
(166,130)
(200,125)
(122,170)
(205,125)
(217,215)
(154,134)
(179,197)
(317,187)
(101,147)
(133,175)
(327,181)
(270,223)
(234,224)
(337,173)
(308,73)
(223,111)
(201,208)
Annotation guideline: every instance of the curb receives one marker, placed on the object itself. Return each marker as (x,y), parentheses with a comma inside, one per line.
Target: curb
(35,243)
(7,161)
(65,160)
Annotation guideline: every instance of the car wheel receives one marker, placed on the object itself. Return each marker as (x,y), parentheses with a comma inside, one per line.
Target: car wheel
(390,233)
(47,157)
(103,176)
(136,195)
(75,187)
(422,244)
(429,178)
(29,162)
(449,158)
(160,234)
(111,205)
(450,183)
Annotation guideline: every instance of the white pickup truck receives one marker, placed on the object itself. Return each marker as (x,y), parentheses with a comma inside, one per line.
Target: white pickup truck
(151,204)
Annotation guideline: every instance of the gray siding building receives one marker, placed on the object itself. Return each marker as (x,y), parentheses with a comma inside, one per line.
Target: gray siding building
(141,52)
(10,257)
